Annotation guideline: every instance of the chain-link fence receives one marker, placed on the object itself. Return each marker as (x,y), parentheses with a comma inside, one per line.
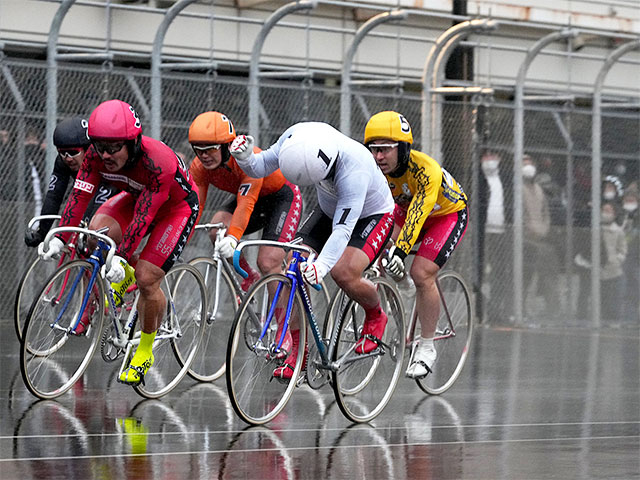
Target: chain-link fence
(557,137)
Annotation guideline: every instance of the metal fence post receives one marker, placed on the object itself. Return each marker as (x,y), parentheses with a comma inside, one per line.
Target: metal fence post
(254,66)
(518,140)
(156,60)
(596,176)
(347,63)
(52,79)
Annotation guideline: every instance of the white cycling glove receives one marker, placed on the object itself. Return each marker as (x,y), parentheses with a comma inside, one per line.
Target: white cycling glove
(227,246)
(312,273)
(242,147)
(393,264)
(116,273)
(55,248)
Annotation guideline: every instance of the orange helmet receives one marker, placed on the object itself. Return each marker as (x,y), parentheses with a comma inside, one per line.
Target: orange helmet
(212,128)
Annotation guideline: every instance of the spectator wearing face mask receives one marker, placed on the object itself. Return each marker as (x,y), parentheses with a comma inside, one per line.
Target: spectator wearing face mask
(539,255)
(614,254)
(495,218)
(631,228)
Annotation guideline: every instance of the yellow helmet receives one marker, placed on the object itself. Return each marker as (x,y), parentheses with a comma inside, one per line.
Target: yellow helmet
(212,128)
(388,125)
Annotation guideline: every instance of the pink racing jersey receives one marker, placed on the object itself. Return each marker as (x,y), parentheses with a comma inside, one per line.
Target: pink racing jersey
(158,179)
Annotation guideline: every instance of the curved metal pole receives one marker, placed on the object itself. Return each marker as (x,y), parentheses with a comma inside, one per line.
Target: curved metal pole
(427,75)
(254,66)
(156,61)
(518,140)
(596,175)
(345,84)
(52,80)
(438,75)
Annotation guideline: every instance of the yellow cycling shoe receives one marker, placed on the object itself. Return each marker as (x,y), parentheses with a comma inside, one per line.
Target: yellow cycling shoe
(137,369)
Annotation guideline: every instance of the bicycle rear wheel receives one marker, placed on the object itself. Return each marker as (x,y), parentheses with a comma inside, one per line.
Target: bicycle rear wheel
(51,358)
(364,384)
(180,333)
(209,363)
(453,334)
(255,395)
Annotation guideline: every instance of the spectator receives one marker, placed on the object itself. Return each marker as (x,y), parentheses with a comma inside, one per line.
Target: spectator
(539,254)
(614,253)
(632,277)
(34,155)
(497,239)
(7,156)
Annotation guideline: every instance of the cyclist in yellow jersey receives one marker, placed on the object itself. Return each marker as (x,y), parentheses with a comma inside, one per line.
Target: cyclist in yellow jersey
(431,210)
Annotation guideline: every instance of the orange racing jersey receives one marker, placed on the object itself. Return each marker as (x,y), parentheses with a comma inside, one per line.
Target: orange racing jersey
(229,177)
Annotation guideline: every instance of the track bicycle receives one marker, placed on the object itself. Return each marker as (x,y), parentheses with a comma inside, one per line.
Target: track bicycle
(53,356)
(454,333)
(224,294)
(362,383)
(31,282)
(454,330)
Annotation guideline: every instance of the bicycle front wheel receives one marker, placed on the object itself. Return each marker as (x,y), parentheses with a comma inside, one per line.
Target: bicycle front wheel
(29,287)
(222,305)
(180,333)
(364,384)
(256,396)
(453,334)
(52,358)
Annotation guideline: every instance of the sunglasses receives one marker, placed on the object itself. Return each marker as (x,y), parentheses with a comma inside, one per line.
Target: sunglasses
(199,150)
(109,148)
(70,152)
(382,147)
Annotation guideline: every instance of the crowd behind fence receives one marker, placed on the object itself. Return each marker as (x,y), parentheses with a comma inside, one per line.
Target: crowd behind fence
(475,130)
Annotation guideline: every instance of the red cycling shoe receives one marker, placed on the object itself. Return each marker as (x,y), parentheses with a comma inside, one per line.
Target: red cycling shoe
(285,372)
(373,329)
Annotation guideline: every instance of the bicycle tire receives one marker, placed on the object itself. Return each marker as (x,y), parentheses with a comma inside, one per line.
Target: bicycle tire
(364,384)
(209,364)
(30,285)
(180,332)
(453,350)
(51,358)
(255,395)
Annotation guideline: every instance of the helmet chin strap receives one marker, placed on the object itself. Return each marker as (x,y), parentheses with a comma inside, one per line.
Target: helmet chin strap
(134,149)
(404,153)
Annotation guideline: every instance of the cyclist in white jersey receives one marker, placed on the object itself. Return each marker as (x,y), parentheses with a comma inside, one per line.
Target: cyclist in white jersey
(352,223)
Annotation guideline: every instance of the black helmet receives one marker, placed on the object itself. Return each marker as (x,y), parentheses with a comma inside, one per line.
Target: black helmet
(71,132)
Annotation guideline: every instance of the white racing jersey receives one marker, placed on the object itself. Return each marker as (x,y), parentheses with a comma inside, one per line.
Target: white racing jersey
(356,188)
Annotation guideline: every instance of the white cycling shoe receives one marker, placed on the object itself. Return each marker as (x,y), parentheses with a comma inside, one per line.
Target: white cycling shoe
(422,361)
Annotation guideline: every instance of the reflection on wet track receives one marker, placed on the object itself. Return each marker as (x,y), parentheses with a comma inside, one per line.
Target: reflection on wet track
(539,403)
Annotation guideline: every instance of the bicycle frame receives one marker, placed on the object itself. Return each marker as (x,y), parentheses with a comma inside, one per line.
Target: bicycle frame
(70,247)
(413,319)
(293,273)
(97,259)
(221,264)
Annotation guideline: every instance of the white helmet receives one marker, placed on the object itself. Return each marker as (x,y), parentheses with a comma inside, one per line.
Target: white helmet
(305,159)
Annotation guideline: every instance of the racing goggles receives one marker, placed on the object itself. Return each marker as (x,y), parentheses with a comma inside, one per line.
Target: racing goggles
(382,147)
(108,147)
(198,150)
(70,152)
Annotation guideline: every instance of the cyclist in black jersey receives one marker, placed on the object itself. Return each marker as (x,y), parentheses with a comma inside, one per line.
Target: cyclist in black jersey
(71,140)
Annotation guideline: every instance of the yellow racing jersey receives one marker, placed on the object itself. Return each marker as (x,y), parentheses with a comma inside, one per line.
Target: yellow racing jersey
(425,189)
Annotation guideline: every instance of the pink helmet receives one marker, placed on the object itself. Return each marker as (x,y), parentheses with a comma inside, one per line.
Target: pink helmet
(114,120)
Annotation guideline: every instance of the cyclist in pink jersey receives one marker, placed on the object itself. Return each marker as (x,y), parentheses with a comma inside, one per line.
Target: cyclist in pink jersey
(157,191)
